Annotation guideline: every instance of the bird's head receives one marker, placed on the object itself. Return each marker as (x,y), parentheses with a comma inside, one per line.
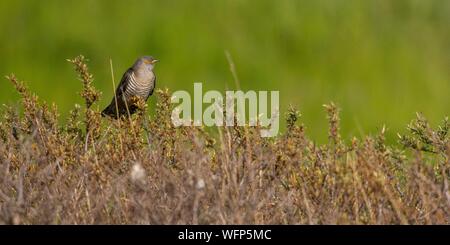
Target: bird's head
(147,61)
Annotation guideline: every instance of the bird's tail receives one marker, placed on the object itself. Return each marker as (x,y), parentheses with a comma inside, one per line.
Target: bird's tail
(110,111)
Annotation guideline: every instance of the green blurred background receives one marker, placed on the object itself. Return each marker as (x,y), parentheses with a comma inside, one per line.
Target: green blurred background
(380,61)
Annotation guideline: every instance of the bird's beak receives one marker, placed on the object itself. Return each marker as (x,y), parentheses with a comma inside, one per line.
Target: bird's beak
(155,61)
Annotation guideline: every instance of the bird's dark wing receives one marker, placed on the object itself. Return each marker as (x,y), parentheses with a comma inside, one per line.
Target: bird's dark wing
(124,82)
(111,109)
(154,86)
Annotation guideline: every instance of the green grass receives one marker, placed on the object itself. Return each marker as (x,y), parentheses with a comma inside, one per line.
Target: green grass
(381,61)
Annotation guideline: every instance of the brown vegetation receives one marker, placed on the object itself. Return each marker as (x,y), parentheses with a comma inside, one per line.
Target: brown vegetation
(142,170)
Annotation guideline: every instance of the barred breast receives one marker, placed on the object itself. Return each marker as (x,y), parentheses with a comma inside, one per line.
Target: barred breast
(140,85)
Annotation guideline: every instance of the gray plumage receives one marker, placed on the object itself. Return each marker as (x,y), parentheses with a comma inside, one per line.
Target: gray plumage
(139,80)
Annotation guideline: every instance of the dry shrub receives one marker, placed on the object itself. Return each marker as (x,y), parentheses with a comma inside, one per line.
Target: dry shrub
(142,170)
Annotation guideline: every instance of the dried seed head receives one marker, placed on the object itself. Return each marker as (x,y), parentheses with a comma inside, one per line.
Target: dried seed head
(200,184)
(137,173)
